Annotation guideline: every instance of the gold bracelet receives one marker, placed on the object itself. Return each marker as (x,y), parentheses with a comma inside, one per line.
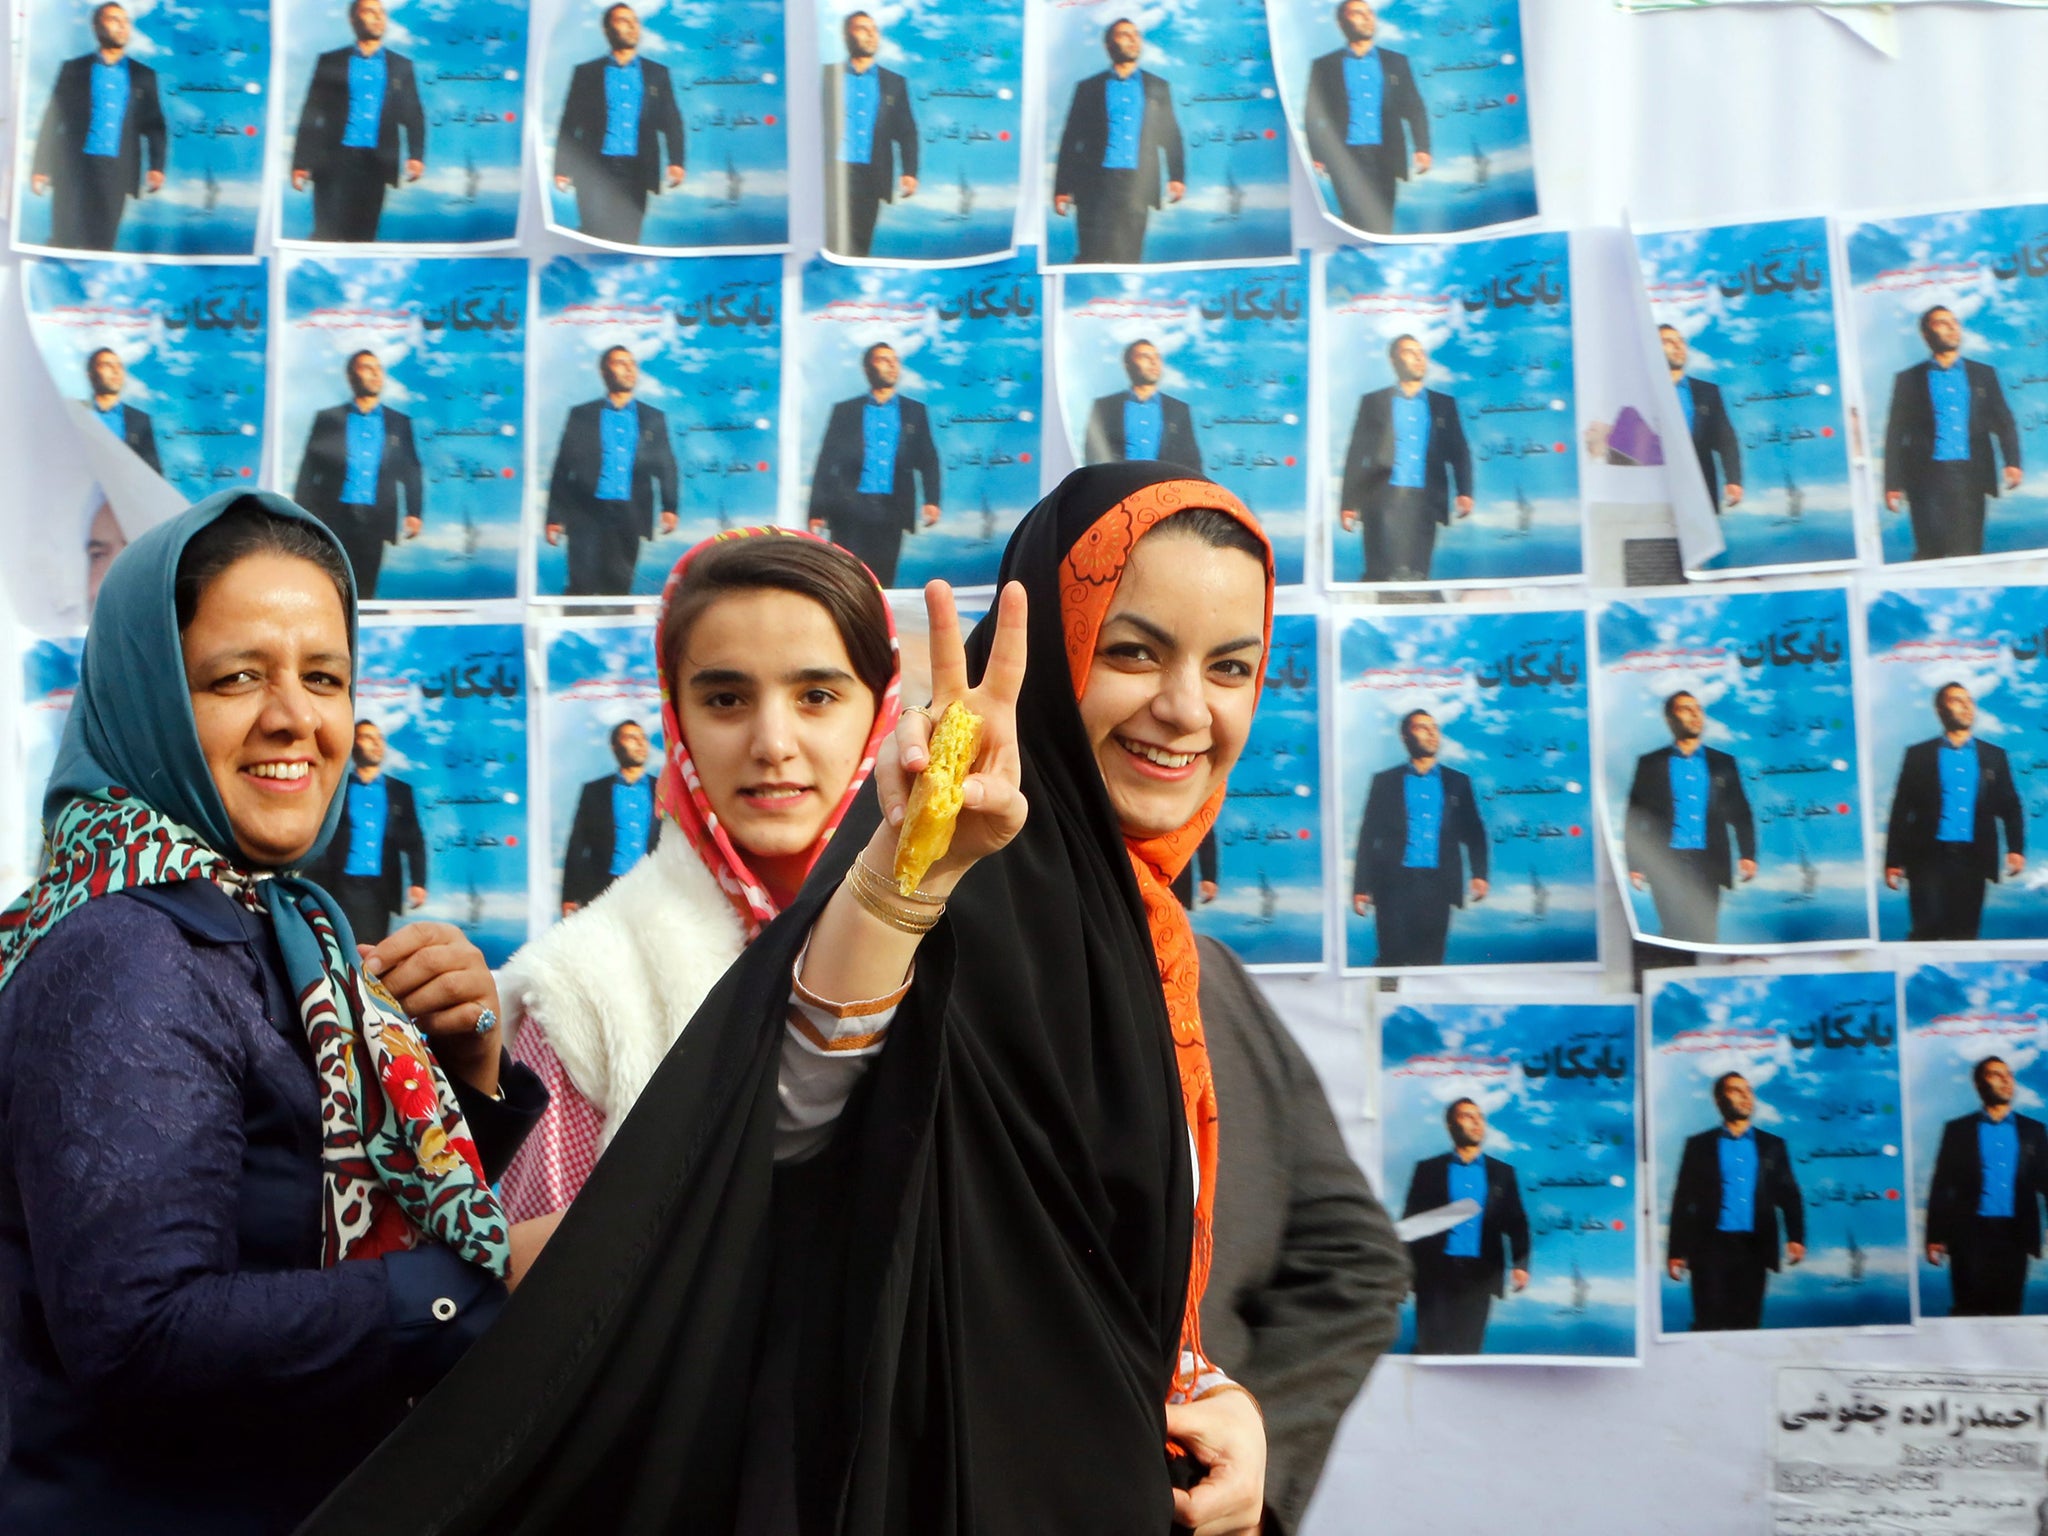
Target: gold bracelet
(888,883)
(895,916)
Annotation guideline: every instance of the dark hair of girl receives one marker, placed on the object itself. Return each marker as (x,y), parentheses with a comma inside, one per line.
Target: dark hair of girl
(1216,528)
(246,528)
(824,573)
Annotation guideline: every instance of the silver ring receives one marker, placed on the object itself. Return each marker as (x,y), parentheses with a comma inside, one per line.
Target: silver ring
(919,709)
(486,1022)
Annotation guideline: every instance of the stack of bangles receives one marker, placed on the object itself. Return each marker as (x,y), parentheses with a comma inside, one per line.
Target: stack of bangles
(916,913)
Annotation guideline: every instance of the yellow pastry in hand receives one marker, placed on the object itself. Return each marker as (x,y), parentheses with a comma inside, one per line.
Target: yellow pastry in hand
(936,796)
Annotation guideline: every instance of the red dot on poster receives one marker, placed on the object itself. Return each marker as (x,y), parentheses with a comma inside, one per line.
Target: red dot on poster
(1289,461)
(1827,431)
(1003,137)
(511,117)
(505,473)
(1891,1194)
(1513,98)
(1557,447)
(1576,832)
(1023,458)
(1271,134)
(1620,1226)
(769,119)
(511,842)
(1302,834)
(761,467)
(1841,810)
(250,131)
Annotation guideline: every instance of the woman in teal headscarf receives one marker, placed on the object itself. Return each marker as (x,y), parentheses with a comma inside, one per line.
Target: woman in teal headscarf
(245,1211)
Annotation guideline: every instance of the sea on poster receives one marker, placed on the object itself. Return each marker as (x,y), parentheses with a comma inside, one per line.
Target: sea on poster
(704,164)
(1731,787)
(1228,368)
(171,162)
(450,702)
(958,352)
(1448,147)
(600,682)
(1959,668)
(1200,173)
(704,337)
(1746,320)
(1554,1088)
(1818,1057)
(49,677)
(450,129)
(1957,460)
(1962,1017)
(921,129)
(1259,875)
(1475,340)
(447,337)
(169,357)
(1497,706)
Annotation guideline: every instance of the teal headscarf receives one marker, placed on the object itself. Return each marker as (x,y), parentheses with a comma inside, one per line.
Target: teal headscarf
(132,803)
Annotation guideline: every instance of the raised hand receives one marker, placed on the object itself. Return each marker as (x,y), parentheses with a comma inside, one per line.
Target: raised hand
(994,804)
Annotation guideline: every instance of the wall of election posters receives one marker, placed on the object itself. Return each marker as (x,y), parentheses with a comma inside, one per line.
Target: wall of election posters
(1498,315)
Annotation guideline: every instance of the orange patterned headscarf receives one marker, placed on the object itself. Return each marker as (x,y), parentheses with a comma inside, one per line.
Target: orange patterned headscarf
(1089,577)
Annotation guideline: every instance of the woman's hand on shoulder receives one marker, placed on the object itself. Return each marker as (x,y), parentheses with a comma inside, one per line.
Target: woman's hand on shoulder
(1225,1433)
(994,807)
(444,984)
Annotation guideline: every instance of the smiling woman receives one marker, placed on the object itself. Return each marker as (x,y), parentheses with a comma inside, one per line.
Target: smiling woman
(243,1185)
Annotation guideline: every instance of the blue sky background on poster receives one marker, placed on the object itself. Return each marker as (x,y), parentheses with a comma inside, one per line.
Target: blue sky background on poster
(1509,692)
(1495,318)
(970,340)
(1236,348)
(469,60)
(1772,671)
(964,68)
(451,700)
(49,675)
(1821,1052)
(725,58)
(707,335)
(1755,303)
(192,340)
(1214,55)
(1564,1121)
(1991,640)
(1986,265)
(213,68)
(1269,837)
(1466,57)
(1958,1012)
(598,677)
(451,334)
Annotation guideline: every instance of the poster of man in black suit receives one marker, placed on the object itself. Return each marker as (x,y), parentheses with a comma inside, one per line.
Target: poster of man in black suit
(1207,866)
(1734,1185)
(870,140)
(877,450)
(1418,818)
(1363,109)
(614,483)
(359,462)
(1946,414)
(361,100)
(1706,419)
(596,855)
(107,376)
(1683,803)
(376,865)
(1459,1272)
(1984,1204)
(1953,794)
(102,139)
(615,162)
(1142,422)
(1121,135)
(1407,451)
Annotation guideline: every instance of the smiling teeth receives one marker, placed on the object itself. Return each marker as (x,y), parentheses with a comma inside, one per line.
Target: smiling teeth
(281,770)
(1160,756)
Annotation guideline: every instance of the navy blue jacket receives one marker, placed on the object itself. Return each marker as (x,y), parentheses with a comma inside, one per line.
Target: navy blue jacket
(176,1361)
